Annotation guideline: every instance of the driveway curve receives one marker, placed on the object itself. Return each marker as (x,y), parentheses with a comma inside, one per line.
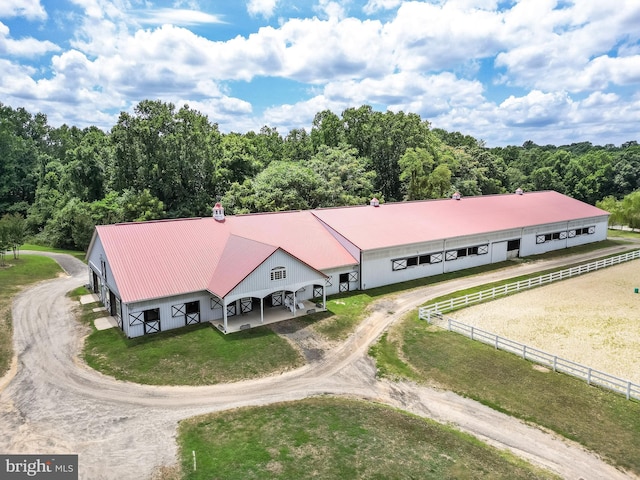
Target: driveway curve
(121,430)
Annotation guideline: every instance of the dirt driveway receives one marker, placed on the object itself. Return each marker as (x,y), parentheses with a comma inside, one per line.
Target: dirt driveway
(54,404)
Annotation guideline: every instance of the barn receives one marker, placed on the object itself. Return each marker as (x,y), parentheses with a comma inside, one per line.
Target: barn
(242,271)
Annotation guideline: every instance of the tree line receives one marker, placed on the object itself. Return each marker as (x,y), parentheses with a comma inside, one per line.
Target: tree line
(163,162)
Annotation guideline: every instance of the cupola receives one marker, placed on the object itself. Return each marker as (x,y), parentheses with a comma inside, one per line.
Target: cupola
(218,212)
(374,202)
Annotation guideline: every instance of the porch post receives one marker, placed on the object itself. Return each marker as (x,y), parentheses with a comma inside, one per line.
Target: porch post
(224,314)
(324,296)
(295,305)
(261,310)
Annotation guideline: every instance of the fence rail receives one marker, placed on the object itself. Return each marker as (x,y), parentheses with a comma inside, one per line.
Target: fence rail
(434,313)
(425,313)
(557,364)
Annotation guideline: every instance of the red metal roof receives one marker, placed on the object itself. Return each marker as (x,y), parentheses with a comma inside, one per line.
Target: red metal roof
(422,221)
(157,259)
(163,258)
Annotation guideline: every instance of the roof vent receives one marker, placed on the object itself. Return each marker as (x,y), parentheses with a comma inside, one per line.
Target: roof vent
(519,191)
(456,196)
(374,202)
(218,212)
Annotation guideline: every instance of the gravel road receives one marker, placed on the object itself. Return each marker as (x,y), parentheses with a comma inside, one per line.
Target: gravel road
(53,403)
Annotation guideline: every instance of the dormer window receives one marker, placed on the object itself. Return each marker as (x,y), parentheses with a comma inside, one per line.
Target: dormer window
(278,273)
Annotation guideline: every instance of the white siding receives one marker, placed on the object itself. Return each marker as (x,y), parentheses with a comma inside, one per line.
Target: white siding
(333,279)
(167,319)
(259,284)
(95,257)
(377,268)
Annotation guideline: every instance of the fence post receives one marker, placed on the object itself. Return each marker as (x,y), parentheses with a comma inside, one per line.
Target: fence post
(496,341)
(524,352)
(449,324)
(471,333)
(555,362)
(628,390)
(588,376)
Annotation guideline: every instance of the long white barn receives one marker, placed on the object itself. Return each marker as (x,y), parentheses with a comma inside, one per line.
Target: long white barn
(248,270)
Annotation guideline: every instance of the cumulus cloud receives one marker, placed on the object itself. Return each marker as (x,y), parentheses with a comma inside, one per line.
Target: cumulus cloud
(262,8)
(536,109)
(30,9)
(374,6)
(485,67)
(25,47)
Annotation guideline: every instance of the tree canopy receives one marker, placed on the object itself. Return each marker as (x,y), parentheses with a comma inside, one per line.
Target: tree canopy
(165,162)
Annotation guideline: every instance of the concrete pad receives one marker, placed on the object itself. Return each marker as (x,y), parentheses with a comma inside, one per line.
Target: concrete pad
(90,298)
(99,309)
(104,323)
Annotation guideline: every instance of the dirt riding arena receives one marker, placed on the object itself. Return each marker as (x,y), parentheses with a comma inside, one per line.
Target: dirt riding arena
(593,319)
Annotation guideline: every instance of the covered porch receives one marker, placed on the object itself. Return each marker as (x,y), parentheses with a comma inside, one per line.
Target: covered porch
(273,314)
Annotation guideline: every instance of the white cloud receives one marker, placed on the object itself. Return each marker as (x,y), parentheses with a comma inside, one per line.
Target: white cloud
(331,9)
(263,8)
(425,36)
(536,109)
(30,9)
(174,16)
(374,6)
(25,47)
(565,48)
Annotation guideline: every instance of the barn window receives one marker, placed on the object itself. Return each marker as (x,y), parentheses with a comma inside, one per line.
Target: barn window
(278,273)
(216,302)
(513,245)
(585,231)
(436,257)
(422,259)
(152,315)
(103,268)
(192,307)
(451,255)
(412,261)
(399,264)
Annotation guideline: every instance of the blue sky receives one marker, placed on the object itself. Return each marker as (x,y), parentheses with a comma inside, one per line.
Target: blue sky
(550,71)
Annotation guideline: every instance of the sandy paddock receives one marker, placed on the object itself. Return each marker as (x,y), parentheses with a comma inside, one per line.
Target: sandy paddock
(593,319)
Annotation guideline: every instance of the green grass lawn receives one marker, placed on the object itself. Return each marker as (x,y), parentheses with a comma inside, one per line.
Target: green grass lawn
(602,421)
(17,274)
(40,248)
(336,438)
(193,355)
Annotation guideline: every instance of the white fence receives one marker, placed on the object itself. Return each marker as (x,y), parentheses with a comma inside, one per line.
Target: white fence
(425,313)
(591,376)
(557,364)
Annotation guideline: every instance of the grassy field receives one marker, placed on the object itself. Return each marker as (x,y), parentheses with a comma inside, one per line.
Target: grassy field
(17,274)
(329,438)
(39,248)
(193,355)
(602,421)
